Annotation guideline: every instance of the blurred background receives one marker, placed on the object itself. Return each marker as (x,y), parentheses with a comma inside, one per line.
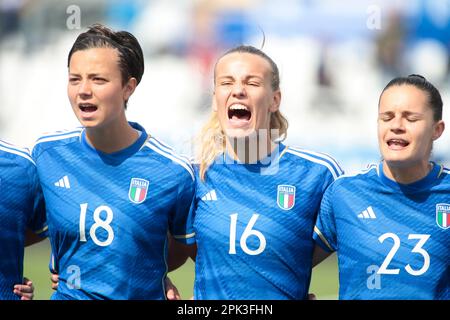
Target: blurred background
(334,57)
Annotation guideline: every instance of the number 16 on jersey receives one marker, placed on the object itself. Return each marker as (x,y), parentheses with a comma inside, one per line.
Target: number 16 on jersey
(249,231)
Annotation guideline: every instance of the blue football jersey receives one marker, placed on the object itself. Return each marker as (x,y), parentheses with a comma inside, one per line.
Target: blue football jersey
(254,225)
(21,207)
(392,240)
(109,214)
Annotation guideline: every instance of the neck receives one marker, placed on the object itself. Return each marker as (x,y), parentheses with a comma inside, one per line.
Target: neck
(407,175)
(249,149)
(113,138)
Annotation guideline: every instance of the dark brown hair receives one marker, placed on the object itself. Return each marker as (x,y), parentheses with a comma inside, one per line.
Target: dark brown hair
(131,58)
(418,81)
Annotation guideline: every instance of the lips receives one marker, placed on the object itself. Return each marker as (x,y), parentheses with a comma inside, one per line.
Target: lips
(397,143)
(239,112)
(87,107)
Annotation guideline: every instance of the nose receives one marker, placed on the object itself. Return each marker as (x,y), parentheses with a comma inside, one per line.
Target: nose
(238,90)
(84,90)
(397,124)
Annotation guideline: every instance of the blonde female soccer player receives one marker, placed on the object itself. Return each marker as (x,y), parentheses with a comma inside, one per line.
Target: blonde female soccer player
(257,199)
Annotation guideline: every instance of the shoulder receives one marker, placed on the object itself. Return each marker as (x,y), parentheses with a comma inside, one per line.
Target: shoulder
(318,160)
(57,138)
(445,173)
(17,160)
(363,176)
(179,163)
(19,155)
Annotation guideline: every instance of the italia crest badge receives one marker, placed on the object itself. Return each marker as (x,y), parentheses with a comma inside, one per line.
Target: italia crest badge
(286,197)
(138,190)
(443,215)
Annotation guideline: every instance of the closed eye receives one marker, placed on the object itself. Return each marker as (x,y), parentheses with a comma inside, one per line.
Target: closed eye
(385,118)
(99,80)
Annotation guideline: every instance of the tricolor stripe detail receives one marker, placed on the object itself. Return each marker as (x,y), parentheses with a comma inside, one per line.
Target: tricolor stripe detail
(444,219)
(138,194)
(319,158)
(286,200)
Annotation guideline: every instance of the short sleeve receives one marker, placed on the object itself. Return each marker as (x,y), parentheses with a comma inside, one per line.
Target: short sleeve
(325,229)
(37,218)
(181,220)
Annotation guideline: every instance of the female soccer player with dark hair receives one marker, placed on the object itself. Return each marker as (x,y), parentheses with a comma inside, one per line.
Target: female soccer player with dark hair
(113,192)
(257,199)
(22,216)
(390,223)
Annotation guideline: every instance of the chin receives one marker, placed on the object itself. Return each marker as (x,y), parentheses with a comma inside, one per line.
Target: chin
(399,162)
(88,123)
(239,133)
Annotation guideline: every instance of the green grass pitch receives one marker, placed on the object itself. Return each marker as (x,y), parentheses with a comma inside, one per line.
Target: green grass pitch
(324,283)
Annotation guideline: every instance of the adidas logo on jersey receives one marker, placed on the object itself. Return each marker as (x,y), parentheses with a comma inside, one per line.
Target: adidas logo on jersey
(367,214)
(210,196)
(63,182)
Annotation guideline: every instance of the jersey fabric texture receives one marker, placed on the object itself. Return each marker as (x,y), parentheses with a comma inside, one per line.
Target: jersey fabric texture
(109,214)
(21,207)
(254,225)
(392,240)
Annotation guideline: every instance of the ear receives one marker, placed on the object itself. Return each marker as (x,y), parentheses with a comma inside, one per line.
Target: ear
(129,88)
(276,100)
(439,128)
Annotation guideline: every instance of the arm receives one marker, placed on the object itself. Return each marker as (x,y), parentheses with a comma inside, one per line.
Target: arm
(37,228)
(178,253)
(177,256)
(319,255)
(31,238)
(193,252)
(171,291)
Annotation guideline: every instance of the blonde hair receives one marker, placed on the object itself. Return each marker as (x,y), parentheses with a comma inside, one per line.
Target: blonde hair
(212,139)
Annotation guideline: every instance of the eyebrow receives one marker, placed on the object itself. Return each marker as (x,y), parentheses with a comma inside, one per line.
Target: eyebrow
(225,77)
(407,113)
(246,78)
(90,75)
